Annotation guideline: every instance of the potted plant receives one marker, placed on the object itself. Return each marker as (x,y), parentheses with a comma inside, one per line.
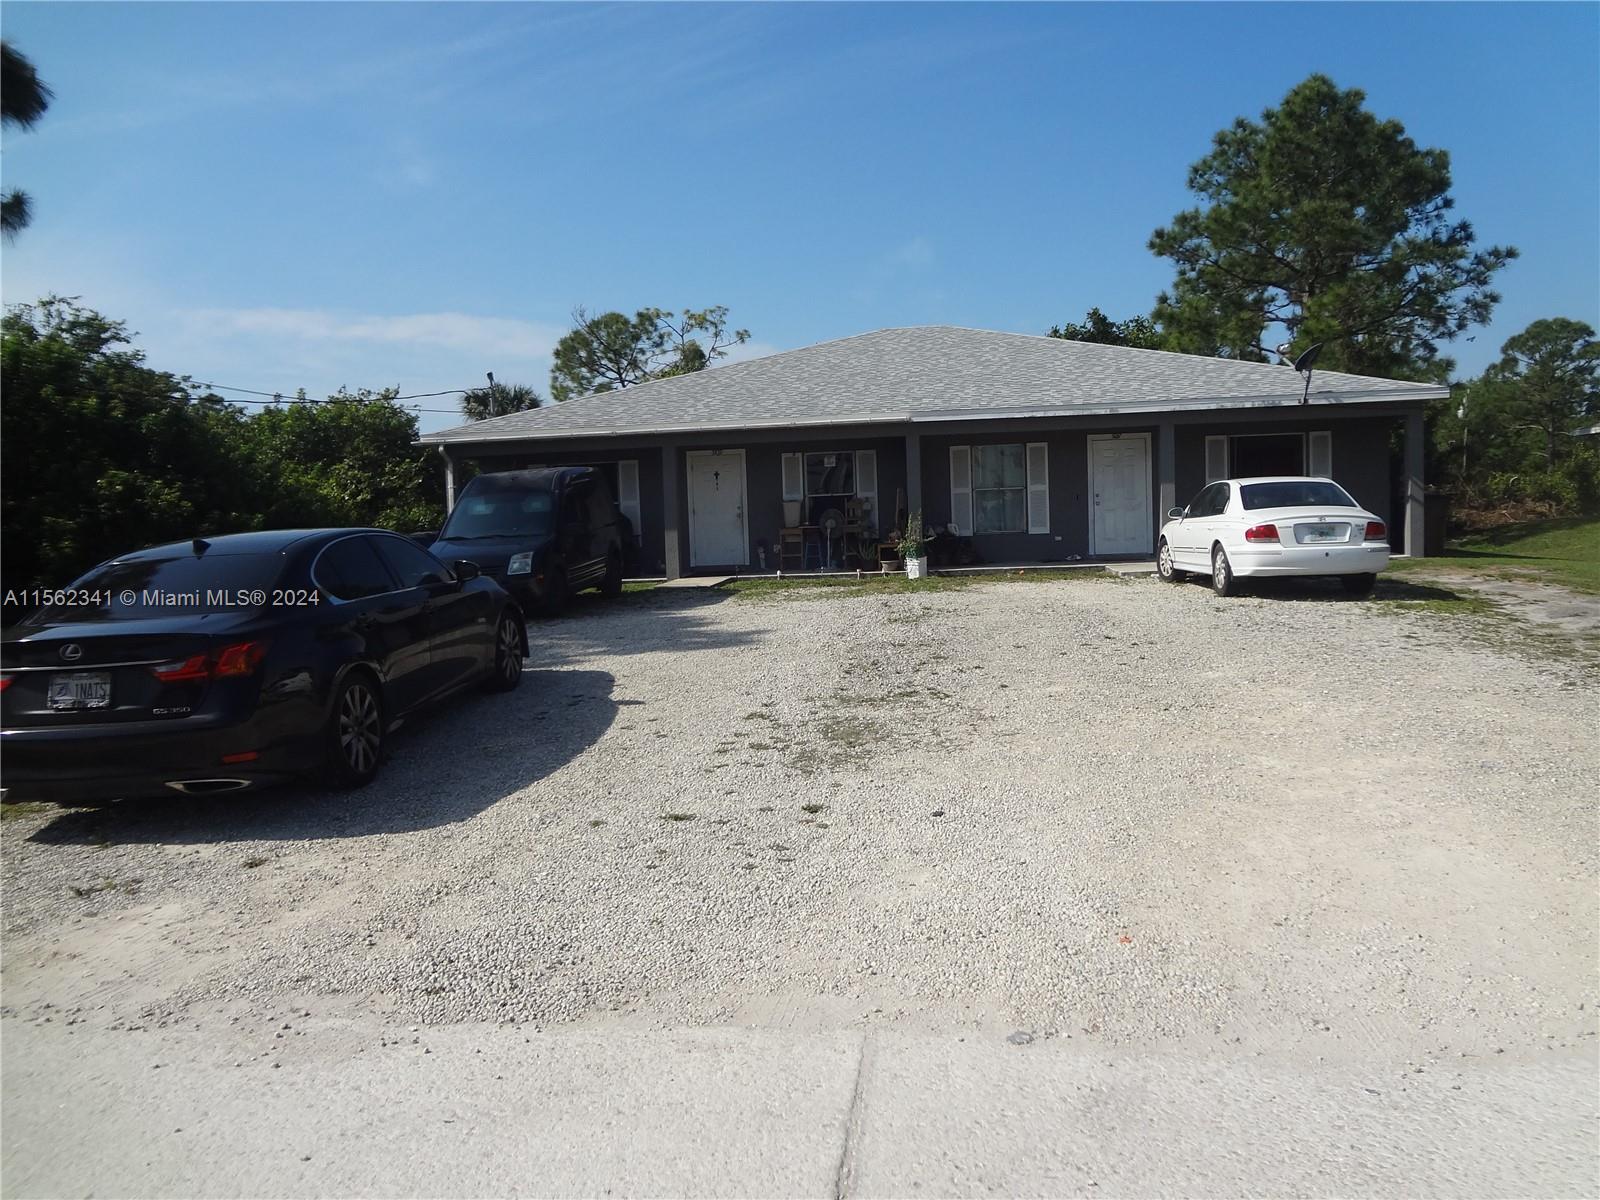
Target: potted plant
(914,547)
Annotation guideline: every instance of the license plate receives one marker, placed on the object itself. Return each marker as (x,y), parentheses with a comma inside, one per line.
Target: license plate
(81,689)
(1322,533)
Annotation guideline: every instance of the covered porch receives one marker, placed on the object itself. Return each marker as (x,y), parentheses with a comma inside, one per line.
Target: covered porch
(998,492)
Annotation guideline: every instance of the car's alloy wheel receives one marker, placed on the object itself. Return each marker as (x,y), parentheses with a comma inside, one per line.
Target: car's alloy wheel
(1222,581)
(1164,567)
(507,656)
(357,733)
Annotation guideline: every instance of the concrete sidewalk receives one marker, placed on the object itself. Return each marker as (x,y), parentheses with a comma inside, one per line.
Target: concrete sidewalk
(314,1107)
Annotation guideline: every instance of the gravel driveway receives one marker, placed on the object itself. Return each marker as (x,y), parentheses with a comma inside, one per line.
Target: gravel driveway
(1100,809)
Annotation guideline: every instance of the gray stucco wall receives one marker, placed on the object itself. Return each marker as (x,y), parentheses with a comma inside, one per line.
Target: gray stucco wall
(764,486)
(1069,480)
(1360,446)
(1360,454)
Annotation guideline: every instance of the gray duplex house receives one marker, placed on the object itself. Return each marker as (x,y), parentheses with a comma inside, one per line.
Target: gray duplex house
(1037,449)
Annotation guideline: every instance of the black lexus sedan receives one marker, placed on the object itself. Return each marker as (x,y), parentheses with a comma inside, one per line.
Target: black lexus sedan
(237,661)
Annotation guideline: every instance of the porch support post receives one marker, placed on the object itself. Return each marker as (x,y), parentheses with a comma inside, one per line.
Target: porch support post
(671,511)
(913,471)
(1414,484)
(1166,468)
(449,479)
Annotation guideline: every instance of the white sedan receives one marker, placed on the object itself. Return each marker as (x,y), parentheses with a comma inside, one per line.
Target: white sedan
(1290,525)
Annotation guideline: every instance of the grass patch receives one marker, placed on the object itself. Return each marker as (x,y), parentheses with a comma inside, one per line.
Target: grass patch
(1484,621)
(898,584)
(1397,595)
(25,808)
(1565,552)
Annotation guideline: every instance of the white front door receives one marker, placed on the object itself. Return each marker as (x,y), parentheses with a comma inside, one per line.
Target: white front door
(1119,494)
(717,535)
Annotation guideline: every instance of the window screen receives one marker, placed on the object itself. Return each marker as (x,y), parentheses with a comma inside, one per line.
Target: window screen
(1000,488)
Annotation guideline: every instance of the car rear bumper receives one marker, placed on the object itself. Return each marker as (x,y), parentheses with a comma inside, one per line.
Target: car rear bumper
(1252,562)
(141,759)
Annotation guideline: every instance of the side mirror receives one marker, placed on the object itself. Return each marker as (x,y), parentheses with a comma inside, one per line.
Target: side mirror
(425,537)
(465,569)
(1177,514)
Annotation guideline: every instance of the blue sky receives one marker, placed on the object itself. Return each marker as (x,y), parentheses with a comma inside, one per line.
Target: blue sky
(288,195)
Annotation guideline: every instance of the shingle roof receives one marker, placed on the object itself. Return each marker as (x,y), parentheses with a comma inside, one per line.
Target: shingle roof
(928,373)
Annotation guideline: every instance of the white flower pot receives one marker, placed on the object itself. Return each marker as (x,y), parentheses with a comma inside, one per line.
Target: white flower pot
(916,568)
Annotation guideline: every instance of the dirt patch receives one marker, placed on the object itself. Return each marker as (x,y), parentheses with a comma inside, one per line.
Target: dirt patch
(1544,603)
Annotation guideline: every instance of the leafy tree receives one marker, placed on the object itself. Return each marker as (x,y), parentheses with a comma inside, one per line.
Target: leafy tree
(498,400)
(100,453)
(23,100)
(1547,381)
(1326,224)
(1139,332)
(612,350)
(349,460)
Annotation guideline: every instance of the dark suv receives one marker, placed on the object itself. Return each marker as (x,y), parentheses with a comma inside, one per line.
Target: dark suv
(541,534)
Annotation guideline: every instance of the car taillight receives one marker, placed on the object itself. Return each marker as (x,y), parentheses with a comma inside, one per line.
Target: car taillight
(242,658)
(198,667)
(1377,531)
(5,682)
(1261,533)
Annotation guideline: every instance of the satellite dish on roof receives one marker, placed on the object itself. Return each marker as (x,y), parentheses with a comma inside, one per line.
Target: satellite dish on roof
(1303,365)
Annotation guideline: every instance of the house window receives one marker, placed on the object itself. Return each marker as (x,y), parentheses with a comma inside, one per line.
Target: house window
(1256,455)
(830,481)
(1000,488)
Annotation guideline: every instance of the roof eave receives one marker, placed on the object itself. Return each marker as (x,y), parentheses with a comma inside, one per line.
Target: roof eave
(926,416)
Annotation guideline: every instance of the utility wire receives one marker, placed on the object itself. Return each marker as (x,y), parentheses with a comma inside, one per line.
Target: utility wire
(281,398)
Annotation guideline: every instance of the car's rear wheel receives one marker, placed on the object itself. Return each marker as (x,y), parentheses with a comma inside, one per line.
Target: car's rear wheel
(1222,581)
(1358,585)
(611,585)
(507,672)
(1164,567)
(355,732)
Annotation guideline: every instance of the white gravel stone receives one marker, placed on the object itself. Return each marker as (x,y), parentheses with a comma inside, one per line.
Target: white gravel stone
(1268,822)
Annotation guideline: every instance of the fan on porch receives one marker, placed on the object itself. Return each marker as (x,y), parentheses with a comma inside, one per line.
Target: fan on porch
(832,522)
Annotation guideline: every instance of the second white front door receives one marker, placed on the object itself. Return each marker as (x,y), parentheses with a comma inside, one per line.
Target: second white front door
(1119,487)
(717,533)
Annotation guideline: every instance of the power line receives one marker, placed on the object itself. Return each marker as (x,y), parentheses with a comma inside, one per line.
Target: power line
(281,398)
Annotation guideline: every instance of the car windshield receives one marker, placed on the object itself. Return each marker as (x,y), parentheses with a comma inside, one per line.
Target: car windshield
(492,512)
(1295,493)
(184,584)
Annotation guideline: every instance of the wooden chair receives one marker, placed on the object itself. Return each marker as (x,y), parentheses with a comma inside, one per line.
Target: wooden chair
(791,549)
(855,532)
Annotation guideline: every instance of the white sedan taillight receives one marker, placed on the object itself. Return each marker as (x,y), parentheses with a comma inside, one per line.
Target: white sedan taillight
(1261,533)
(1377,531)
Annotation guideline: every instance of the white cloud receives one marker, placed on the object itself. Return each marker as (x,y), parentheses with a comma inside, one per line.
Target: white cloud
(918,252)
(504,336)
